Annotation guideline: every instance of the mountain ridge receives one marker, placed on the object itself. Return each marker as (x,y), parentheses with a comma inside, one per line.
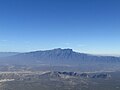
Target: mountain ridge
(64,54)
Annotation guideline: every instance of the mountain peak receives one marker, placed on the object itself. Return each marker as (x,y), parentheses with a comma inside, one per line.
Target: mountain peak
(60,49)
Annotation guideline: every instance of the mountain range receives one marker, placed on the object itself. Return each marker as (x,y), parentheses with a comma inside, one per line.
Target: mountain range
(63,57)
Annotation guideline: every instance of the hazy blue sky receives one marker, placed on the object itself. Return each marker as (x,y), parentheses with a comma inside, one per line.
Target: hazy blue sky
(91,26)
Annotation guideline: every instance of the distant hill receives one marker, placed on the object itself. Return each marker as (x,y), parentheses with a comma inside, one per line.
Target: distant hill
(64,57)
(6,54)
